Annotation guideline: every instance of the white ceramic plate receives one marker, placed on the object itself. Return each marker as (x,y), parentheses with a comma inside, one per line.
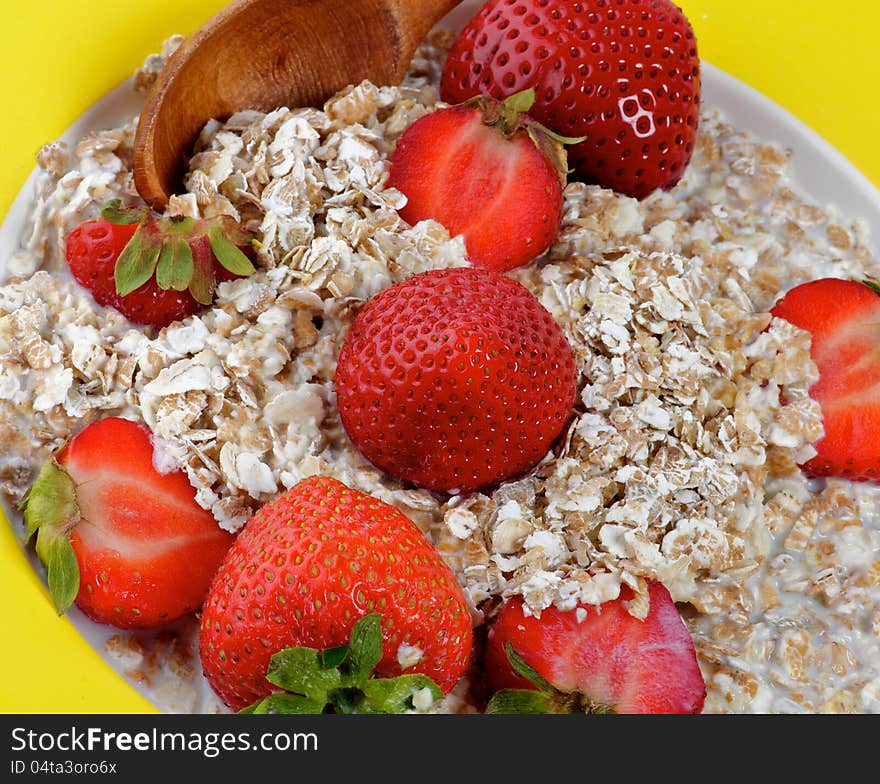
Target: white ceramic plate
(820,172)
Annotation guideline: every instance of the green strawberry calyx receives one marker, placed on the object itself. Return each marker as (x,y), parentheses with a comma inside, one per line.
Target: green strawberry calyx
(50,512)
(547,698)
(340,680)
(172,250)
(873,285)
(512,115)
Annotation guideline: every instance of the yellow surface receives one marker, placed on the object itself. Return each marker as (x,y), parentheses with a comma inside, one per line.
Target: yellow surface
(818,60)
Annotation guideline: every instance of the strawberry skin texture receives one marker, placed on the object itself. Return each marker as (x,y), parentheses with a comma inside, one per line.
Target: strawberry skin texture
(92,251)
(630,665)
(146,550)
(455,380)
(624,75)
(842,317)
(502,194)
(306,567)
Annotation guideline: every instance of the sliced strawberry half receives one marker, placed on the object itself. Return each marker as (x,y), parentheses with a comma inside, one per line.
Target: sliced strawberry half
(594,659)
(843,319)
(120,535)
(487,171)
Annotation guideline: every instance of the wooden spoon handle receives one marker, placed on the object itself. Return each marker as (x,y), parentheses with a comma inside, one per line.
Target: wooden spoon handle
(262,54)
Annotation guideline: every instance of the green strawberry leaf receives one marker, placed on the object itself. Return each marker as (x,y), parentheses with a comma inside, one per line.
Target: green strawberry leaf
(299,670)
(203,282)
(365,650)
(547,699)
(512,114)
(395,695)
(525,701)
(137,262)
(522,101)
(114,212)
(565,140)
(173,249)
(280,703)
(176,265)
(228,253)
(521,667)
(50,511)
(339,679)
(873,285)
(50,502)
(332,658)
(62,570)
(347,701)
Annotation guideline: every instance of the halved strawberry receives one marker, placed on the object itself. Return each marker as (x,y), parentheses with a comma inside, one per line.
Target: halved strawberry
(843,318)
(119,533)
(594,659)
(155,270)
(484,169)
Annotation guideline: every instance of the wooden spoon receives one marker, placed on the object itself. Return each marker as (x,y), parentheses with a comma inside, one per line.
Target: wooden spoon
(263,54)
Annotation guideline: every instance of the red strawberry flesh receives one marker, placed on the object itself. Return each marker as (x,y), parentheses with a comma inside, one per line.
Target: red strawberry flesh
(843,319)
(611,657)
(502,194)
(145,549)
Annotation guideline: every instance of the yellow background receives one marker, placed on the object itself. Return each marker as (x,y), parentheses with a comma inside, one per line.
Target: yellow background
(818,60)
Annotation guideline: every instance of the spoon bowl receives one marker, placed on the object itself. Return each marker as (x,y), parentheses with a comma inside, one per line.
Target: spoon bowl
(264,54)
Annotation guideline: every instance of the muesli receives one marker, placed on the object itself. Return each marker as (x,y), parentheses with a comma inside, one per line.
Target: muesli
(692,419)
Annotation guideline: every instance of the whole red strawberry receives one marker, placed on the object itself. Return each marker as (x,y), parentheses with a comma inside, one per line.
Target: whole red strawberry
(310,564)
(624,75)
(486,170)
(842,317)
(122,538)
(593,659)
(155,270)
(455,380)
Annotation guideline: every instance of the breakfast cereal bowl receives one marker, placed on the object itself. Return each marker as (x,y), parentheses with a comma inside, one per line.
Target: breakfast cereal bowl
(681,466)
